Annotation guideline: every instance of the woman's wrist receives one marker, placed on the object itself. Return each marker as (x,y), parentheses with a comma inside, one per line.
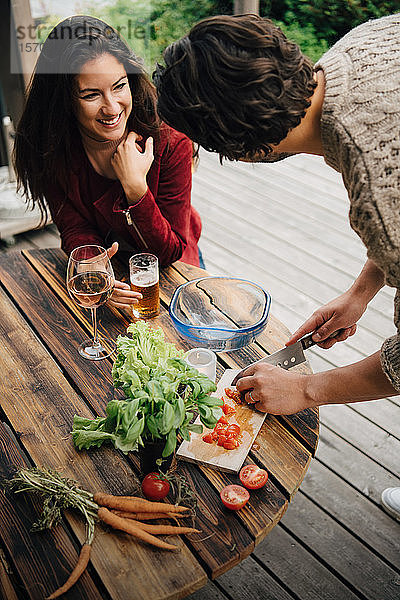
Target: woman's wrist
(134,192)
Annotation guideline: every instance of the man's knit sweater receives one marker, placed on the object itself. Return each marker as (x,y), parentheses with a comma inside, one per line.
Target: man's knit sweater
(361,139)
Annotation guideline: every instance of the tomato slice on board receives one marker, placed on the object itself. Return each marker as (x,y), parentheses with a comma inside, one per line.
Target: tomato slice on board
(228,410)
(253,477)
(233,429)
(208,438)
(233,395)
(220,428)
(234,496)
(223,420)
(231,444)
(221,440)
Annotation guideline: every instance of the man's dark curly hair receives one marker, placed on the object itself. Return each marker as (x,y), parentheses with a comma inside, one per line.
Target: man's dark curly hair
(235,85)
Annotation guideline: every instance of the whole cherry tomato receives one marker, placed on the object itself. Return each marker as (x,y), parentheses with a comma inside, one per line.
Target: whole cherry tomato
(234,496)
(155,486)
(208,438)
(253,477)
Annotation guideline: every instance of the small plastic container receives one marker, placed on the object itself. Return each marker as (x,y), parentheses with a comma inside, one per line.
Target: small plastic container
(220,313)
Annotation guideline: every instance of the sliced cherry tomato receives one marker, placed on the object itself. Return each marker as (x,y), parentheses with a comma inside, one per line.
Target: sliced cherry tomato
(208,438)
(253,477)
(221,440)
(220,428)
(231,444)
(155,486)
(223,420)
(233,429)
(228,410)
(234,395)
(233,436)
(234,496)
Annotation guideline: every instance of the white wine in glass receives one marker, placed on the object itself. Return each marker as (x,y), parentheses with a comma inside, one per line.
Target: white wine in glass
(90,283)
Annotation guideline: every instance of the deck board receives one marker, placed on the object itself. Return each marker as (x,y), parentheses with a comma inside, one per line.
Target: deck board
(285,226)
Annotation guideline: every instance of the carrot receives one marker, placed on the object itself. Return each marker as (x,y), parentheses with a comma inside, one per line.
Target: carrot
(139,498)
(164,529)
(126,525)
(126,504)
(142,516)
(80,566)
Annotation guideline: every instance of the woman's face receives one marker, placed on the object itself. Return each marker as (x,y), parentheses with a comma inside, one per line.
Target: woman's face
(103,98)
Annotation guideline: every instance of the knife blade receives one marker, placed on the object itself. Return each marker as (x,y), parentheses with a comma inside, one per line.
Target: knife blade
(286,358)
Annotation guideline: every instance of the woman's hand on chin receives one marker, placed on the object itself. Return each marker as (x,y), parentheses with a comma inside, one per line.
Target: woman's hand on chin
(131,165)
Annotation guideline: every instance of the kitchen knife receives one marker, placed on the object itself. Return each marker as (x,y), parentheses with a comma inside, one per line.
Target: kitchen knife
(287,357)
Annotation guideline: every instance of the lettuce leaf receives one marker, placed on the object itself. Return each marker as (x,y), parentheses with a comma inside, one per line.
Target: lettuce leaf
(161,391)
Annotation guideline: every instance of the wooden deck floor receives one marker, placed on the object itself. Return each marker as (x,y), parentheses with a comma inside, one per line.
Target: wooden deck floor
(285,227)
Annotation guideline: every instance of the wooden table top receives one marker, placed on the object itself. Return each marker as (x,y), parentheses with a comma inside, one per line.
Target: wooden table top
(44,382)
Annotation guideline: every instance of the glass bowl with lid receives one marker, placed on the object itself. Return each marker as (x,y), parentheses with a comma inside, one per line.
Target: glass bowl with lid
(220,313)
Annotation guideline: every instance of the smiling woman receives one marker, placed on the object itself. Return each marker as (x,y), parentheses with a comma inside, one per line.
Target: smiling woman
(104,100)
(91,147)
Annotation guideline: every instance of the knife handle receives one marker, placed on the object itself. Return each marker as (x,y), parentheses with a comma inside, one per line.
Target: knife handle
(307,341)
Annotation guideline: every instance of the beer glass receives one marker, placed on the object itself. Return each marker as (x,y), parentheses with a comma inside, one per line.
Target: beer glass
(143,272)
(90,283)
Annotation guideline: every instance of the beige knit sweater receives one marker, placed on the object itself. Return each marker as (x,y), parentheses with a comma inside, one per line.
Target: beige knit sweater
(361,140)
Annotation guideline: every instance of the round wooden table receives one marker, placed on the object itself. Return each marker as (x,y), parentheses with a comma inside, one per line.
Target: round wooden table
(45,382)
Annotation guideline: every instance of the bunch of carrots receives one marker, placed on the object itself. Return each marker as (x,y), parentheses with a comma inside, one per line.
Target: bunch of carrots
(125,513)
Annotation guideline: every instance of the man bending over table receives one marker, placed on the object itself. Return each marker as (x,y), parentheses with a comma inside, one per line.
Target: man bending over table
(237,86)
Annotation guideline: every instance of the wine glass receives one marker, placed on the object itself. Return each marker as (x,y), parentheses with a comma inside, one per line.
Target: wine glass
(90,283)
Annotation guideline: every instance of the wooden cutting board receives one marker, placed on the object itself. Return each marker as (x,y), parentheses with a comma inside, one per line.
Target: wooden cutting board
(211,455)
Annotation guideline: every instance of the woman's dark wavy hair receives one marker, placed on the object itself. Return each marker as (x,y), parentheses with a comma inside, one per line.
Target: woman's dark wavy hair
(48,132)
(234,85)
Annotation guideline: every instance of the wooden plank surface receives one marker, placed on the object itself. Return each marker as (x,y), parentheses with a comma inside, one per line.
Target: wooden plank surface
(354,512)
(365,573)
(43,560)
(37,281)
(264,508)
(7,589)
(299,570)
(42,426)
(215,549)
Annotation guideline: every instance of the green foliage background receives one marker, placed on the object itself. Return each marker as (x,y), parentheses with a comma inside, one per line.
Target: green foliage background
(150,25)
